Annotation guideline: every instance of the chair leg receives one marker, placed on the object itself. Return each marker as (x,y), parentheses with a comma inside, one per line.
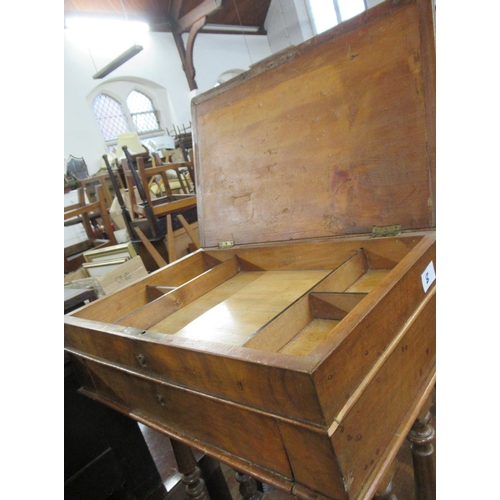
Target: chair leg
(248,487)
(172,254)
(105,217)
(387,494)
(189,231)
(160,261)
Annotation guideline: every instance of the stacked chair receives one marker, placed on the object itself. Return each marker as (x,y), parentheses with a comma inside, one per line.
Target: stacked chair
(151,222)
(89,214)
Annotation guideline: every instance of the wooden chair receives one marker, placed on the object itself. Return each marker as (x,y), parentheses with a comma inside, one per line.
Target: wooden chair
(186,183)
(149,206)
(139,178)
(88,214)
(172,204)
(104,180)
(77,169)
(153,228)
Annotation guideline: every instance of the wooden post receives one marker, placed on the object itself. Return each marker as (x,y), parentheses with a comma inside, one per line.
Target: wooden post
(214,478)
(386,494)
(170,243)
(191,475)
(105,216)
(160,261)
(85,216)
(386,487)
(421,437)
(248,487)
(189,230)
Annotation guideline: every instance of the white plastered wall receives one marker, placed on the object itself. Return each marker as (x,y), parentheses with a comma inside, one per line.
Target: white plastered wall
(287,23)
(156,71)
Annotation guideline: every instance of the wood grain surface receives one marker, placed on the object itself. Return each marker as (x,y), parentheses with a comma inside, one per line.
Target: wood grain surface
(236,309)
(329,143)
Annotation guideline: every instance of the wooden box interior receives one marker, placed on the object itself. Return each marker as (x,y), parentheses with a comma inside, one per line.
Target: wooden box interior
(244,297)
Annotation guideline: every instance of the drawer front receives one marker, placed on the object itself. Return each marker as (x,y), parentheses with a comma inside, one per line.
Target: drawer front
(214,423)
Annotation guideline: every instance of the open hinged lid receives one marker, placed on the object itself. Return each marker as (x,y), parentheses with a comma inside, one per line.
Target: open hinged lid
(328,138)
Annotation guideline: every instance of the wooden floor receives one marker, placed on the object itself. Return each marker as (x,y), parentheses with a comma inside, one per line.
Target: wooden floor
(161,451)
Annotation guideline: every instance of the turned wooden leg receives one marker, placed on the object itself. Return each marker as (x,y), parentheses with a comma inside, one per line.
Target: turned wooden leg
(421,437)
(248,487)
(385,488)
(191,475)
(214,478)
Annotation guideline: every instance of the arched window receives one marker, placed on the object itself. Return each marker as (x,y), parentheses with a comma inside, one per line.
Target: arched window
(142,112)
(117,116)
(110,116)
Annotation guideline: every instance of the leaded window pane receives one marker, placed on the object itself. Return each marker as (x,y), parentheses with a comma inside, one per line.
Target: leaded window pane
(110,117)
(142,111)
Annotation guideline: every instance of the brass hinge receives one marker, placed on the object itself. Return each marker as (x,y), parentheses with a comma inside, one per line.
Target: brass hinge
(384,231)
(226,244)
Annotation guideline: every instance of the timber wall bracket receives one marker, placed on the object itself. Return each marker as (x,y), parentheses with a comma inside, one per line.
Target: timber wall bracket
(192,22)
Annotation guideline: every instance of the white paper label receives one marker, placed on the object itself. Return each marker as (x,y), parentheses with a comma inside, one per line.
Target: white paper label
(428,276)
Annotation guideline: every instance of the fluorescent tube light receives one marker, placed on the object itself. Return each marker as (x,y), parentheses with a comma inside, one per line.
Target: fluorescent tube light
(227,27)
(118,61)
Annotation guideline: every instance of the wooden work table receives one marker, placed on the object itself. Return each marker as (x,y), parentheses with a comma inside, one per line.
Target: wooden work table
(285,374)
(298,344)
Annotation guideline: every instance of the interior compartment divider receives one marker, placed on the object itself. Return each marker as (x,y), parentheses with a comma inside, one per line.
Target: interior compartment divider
(335,305)
(345,275)
(160,308)
(273,336)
